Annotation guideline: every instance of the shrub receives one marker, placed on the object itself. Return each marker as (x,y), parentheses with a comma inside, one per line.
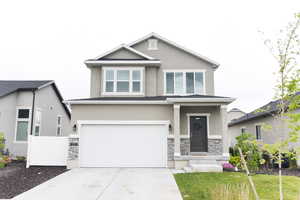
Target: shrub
(20,158)
(2,164)
(250,150)
(235,161)
(2,140)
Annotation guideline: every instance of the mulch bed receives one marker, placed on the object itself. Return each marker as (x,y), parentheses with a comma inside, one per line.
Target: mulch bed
(16,179)
(285,172)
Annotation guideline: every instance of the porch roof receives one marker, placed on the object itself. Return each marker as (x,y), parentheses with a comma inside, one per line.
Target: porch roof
(153,99)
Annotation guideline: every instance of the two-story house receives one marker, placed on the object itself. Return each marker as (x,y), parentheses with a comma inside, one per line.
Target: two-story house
(152,104)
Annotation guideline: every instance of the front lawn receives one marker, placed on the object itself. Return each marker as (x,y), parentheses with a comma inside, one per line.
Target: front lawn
(195,186)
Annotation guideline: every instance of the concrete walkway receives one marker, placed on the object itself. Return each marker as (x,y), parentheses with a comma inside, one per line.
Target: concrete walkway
(108,184)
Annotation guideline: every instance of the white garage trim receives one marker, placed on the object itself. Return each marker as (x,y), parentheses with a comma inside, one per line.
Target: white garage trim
(164,143)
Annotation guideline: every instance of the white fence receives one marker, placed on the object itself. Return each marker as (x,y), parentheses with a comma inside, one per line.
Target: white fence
(47,151)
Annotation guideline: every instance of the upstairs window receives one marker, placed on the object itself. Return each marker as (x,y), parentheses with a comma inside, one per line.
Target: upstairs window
(38,119)
(22,124)
(123,81)
(152,44)
(184,83)
(59,125)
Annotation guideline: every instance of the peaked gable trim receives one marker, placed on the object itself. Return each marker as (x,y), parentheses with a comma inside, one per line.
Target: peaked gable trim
(124,46)
(155,35)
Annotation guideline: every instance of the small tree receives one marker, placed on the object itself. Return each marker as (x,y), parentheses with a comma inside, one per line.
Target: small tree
(286,51)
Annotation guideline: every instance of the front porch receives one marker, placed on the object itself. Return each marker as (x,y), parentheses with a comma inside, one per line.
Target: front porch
(198,136)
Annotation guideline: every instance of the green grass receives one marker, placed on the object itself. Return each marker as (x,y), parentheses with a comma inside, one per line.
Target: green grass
(195,186)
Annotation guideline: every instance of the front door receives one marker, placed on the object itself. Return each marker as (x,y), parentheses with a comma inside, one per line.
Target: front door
(198,133)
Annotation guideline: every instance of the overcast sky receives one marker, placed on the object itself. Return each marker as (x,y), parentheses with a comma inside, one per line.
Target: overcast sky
(51,39)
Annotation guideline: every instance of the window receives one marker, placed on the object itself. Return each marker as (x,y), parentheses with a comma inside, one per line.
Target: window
(59,122)
(22,124)
(258,132)
(243,130)
(178,83)
(123,80)
(37,127)
(152,44)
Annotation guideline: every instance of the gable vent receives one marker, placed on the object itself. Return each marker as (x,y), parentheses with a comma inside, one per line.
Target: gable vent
(152,44)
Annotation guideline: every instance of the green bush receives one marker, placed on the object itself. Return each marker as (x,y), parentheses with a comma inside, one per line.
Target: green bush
(2,164)
(250,149)
(2,140)
(235,161)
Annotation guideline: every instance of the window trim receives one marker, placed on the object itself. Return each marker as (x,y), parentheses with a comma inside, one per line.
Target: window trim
(256,132)
(115,69)
(35,123)
(22,120)
(184,81)
(59,125)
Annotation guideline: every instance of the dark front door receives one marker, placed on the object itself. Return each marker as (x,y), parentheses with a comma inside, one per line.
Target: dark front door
(198,133)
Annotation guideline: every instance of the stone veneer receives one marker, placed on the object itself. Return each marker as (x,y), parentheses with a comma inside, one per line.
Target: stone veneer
(215,147)
(73,148)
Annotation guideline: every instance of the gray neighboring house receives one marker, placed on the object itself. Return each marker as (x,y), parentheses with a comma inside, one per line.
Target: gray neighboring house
(234,113)
(139,86)
(18,99)
(252,123)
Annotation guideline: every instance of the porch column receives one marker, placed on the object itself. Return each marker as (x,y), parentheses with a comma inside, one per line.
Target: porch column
(176,125)
(225,138)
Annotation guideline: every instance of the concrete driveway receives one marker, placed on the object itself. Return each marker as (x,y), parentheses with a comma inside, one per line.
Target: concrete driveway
(108,184)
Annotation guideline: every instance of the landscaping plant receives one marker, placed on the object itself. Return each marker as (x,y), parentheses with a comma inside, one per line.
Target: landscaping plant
(2,140)
(286,51)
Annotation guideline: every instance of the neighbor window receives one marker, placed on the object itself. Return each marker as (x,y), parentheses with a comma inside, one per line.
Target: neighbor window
(152,44)
(184,83)
(125,80)
(243,130)
(38,118)
(258,132)
(59,123)
(22,127)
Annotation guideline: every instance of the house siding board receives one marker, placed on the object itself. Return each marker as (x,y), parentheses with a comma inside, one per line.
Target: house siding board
(268,136)
(123,54)
(151,81)
(174,58)
(44,98)
(96,84)
(8,118)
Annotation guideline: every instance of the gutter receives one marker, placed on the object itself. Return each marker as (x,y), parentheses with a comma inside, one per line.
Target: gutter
(32,111)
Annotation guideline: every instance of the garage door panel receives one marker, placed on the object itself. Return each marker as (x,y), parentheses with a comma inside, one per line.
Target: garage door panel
(123,145)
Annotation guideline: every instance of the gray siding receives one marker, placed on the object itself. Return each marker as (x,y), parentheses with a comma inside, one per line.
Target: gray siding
(268,136)
(45,98)
(174,58)
(123,53)
(171,58)
(8,118)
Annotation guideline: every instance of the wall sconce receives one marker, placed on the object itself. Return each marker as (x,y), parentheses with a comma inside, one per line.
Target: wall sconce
(74,128)
(170,127)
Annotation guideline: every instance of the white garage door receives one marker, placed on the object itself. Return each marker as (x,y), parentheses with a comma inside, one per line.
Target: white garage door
(123,144)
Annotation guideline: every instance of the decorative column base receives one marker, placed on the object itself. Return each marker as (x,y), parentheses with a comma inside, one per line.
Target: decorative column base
(72,161)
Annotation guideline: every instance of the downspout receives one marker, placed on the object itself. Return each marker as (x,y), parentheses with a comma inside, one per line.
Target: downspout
(32,111)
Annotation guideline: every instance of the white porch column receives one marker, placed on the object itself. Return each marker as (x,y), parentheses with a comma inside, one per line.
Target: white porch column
(176,125)
(225,138)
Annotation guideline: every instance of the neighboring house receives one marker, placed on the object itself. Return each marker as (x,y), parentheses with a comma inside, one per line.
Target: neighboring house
(152,104)
(234,113)
(18,99)
(253,123)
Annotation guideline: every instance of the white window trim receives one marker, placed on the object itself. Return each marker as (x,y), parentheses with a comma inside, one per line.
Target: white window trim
(207,115)
(22,120)
(40,125)
(141,69)
(59,125)
(184,81)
